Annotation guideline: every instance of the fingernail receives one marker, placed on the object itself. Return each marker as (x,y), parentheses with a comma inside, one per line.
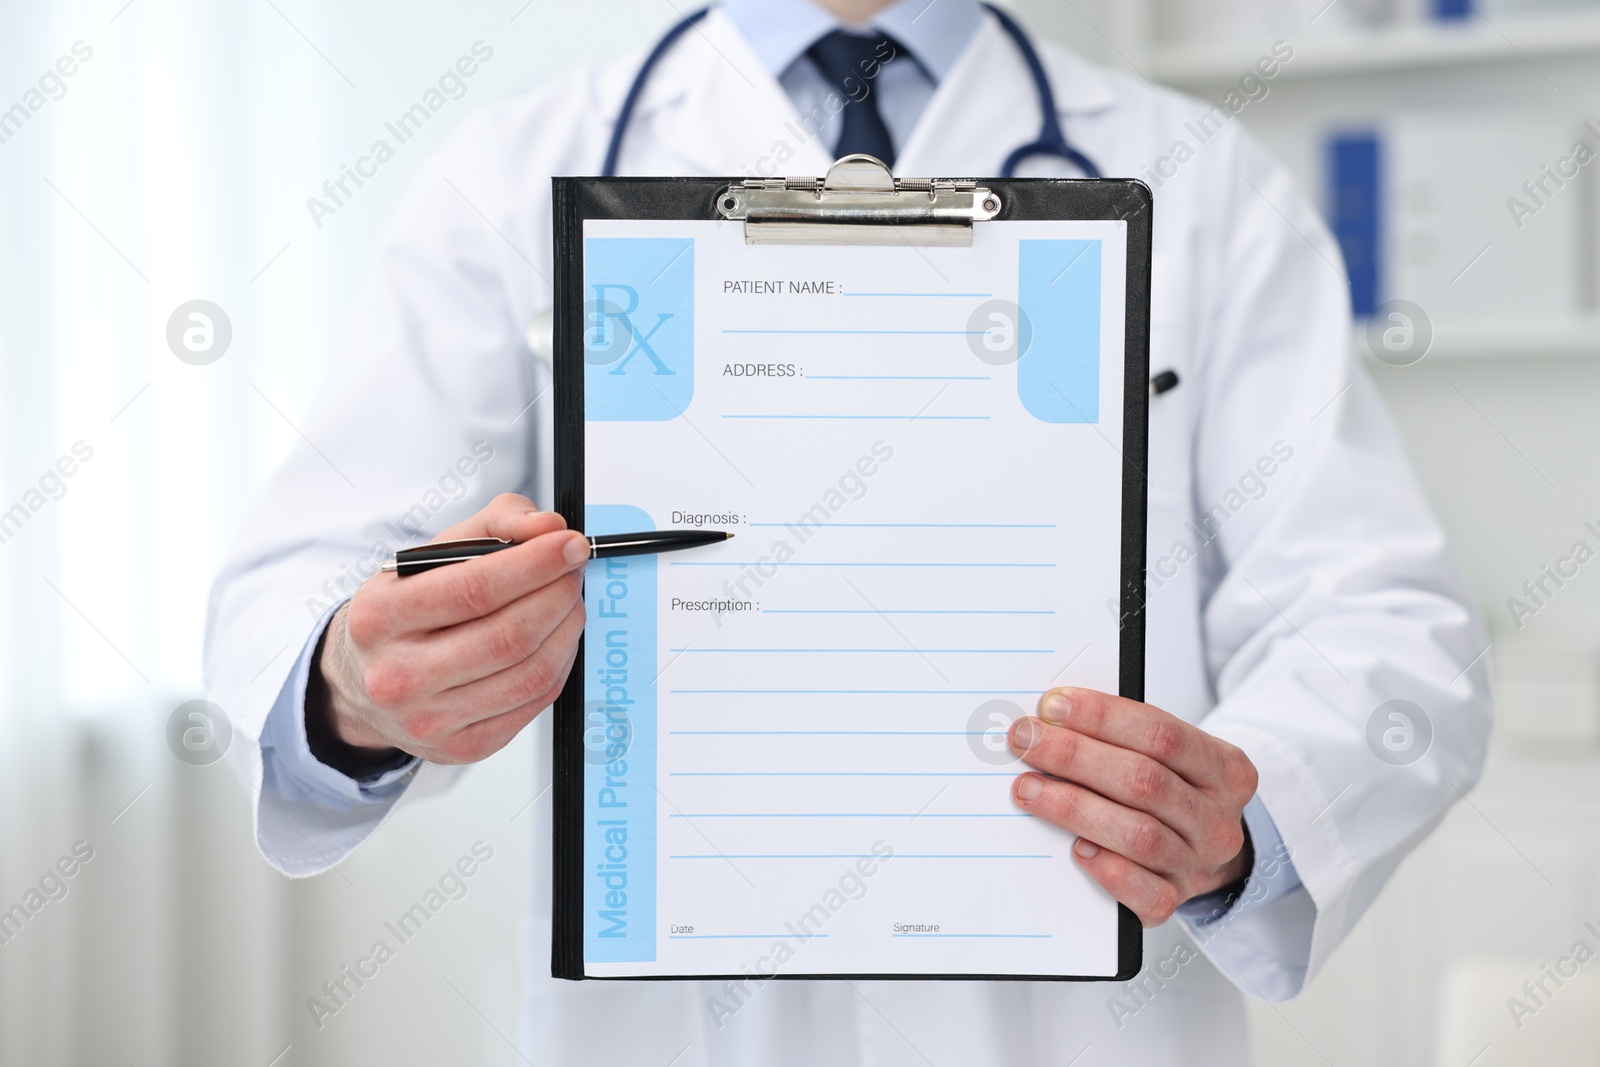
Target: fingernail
(577,550)
(1086,850)
(1056,708)
(1029,787)
(1023,735)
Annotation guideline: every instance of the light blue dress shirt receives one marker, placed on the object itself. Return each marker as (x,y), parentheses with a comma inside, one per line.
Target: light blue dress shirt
(331,812)
(933,36)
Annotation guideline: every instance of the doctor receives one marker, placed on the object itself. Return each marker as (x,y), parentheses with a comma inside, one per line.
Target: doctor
(1297,582)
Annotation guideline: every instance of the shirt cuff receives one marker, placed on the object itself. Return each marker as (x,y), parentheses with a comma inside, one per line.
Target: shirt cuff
(1271,876)
(289,770)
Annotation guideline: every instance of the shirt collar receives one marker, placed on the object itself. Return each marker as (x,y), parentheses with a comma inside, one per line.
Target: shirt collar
(780,31)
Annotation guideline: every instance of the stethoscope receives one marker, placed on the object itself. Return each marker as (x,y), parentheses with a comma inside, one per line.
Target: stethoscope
(1052,140)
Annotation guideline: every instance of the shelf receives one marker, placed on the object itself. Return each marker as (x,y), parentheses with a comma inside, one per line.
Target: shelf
(1578,339)
(1335,53)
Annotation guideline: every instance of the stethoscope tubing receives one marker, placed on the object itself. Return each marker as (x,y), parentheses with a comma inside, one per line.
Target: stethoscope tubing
(1052,140)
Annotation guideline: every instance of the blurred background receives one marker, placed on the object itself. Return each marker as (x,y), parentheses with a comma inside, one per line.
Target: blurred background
(173,163)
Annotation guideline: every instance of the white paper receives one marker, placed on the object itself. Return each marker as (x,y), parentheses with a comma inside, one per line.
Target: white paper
(796,739)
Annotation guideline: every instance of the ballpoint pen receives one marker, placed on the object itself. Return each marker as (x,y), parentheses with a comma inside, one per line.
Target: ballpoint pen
(409,561)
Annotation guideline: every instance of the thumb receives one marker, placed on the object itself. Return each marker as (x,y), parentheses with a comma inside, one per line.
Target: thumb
(510,517)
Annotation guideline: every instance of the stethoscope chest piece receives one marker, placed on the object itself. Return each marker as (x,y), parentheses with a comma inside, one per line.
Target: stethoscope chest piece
(541,338)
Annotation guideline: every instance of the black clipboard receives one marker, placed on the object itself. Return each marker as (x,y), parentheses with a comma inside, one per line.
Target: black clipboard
(858,203)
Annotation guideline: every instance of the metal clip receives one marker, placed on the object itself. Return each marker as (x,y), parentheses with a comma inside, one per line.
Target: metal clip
(859,203)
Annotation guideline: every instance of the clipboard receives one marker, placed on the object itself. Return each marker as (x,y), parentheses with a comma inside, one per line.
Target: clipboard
(859,206)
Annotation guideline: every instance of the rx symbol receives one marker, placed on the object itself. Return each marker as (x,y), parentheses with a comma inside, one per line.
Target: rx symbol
(612,335)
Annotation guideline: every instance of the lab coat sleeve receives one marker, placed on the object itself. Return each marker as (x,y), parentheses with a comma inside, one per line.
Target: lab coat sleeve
(311,815)
(1329,597)
(434,407)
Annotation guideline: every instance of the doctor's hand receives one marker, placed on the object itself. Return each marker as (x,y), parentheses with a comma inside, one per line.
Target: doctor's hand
(451,664)
(1156,803)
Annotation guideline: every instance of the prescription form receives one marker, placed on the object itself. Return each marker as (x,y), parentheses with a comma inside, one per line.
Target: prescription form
(795,741)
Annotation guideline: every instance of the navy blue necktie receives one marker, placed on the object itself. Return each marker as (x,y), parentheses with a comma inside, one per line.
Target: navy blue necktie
(850,64)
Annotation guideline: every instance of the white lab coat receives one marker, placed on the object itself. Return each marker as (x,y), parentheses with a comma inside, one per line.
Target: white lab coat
(1331,594)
